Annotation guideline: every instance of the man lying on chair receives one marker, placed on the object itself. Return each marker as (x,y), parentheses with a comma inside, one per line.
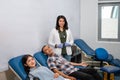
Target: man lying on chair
(67,69)
(37,72)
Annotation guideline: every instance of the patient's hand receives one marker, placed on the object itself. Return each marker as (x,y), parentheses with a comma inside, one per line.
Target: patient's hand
(83,64)
(71,78)
(56,75)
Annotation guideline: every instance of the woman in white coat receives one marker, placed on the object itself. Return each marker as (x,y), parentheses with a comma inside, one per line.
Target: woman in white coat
(61,38)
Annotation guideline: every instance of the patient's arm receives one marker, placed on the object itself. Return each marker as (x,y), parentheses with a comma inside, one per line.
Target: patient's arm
(64,75)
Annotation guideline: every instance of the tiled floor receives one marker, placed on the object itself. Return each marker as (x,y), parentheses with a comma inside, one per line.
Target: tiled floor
(2,76)
(8,75)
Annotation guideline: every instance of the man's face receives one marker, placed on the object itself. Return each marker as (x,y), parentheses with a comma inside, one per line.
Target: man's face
(48,50)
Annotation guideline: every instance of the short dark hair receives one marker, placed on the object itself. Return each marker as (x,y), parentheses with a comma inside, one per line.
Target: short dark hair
(57,22)
(43,48)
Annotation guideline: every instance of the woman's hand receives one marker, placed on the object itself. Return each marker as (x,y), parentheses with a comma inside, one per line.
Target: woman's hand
(56,75)
(66,44)
(59,45)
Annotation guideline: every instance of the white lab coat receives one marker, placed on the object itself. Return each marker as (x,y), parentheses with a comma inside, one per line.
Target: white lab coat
(55,39)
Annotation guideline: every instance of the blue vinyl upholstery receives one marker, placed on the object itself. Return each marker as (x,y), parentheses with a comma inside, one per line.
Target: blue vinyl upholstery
(95,54)
(16,64)
(110,69)
(115,62)
(41,58)
(84,47)
(98,54)
(110,58)
(101,54)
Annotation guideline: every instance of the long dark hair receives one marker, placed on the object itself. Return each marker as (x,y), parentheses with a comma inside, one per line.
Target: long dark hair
(57,22)
(24,60)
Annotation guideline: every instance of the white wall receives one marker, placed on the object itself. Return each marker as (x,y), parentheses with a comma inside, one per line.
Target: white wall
(89,28)
(25,25)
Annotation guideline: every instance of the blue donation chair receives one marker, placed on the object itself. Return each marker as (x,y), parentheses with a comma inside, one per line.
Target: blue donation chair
(89,55)
(102,55)
(15,64)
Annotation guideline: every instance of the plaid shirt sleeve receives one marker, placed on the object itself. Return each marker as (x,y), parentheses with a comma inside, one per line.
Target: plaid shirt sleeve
(51,63)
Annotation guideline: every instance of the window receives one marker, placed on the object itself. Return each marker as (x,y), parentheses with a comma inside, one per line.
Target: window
(109,21)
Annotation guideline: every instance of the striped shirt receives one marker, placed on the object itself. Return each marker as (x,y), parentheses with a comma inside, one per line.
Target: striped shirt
(58,62)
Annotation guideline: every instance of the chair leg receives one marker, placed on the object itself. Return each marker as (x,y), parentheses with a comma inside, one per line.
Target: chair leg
(108,76)
(104,75)
(112,77)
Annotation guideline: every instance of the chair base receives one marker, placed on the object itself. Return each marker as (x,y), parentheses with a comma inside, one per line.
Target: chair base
(108,76)
(109,72)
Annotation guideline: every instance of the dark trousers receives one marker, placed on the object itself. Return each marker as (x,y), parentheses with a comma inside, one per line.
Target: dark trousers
(86,74)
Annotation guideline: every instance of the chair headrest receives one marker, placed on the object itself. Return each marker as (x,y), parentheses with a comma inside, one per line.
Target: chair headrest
(101,54)
(41,58)
(16,64)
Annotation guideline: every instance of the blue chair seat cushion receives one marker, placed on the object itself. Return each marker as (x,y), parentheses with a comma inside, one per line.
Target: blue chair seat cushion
(110,69)
(116,62)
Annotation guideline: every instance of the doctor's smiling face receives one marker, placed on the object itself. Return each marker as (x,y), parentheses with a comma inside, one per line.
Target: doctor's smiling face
(61,22)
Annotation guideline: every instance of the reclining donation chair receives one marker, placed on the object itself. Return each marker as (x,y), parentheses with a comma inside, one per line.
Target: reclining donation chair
(109,70)
(88,54)
(100,54)
(15,64)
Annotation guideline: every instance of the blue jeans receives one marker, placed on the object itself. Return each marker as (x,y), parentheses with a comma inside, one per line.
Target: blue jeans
(67,57)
